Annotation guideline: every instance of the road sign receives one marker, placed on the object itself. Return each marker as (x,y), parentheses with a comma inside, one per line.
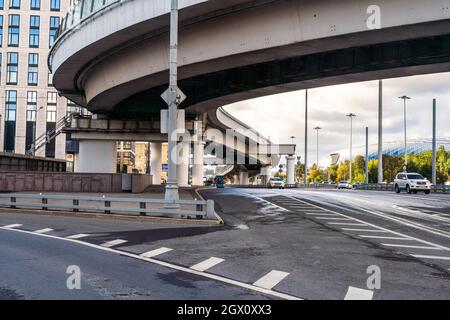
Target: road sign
(179,94)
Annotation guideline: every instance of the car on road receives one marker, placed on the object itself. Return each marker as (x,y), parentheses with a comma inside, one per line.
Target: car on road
(275,183)
(411,183)
(344,185)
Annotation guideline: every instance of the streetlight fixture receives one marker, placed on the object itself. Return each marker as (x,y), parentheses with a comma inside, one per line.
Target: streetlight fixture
(351,116)
(317,146)
(405,98)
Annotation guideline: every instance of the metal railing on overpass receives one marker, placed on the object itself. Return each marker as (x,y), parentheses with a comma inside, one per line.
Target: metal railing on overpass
(194,209)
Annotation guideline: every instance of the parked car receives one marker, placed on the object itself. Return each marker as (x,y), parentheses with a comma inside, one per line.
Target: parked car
(344,185)
(411,183)
(276,183)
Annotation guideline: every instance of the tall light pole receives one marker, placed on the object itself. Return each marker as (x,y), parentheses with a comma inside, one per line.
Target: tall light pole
(434,167)
(405,98)
(351,116)
(317,144)
(306,138)
(380,132)
(173,97)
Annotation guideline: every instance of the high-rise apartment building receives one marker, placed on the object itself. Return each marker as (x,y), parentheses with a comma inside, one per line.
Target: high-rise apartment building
(29,105)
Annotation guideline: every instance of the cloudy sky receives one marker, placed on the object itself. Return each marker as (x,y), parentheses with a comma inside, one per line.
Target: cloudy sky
(282,116)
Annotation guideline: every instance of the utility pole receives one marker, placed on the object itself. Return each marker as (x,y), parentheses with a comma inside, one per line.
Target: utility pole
(405,98)
(367,155)
(173,97)
(380,132)
(434,179)
(351,116)
(305,179)
(317,146)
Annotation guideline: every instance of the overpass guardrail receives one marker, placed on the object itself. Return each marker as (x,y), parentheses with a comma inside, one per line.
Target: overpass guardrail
(194,209)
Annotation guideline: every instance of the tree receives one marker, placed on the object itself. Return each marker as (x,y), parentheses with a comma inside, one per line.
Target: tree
(343,171)
(316,175)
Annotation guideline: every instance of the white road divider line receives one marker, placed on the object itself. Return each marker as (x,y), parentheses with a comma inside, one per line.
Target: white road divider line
(78,236)
(431,257)
(113,243)
(387,238)
(46,230)
(336,219)
(409,247)
(155,253)
(12,226)
(321,214)
(167,265)
(271,279)
(358,294)
(347,224)
(365,230)
(207,264)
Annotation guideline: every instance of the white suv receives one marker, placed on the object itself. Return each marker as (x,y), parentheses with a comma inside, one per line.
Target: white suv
(411,183)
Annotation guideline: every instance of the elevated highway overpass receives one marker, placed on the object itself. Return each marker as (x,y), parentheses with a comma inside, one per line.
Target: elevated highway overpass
(112,56)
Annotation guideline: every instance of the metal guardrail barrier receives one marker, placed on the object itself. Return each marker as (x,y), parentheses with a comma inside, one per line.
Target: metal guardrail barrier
(203,208)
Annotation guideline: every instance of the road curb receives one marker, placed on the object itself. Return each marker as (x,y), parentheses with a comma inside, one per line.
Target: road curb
(120,217)
(197,192)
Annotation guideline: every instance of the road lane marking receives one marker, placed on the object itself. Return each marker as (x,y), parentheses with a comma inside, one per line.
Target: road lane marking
(431,257)
(358,294)
(387,238)
(365,230)
(12,226)
(207,264)
(321,214)
(409,247)
(336,219)
(155,253)
(46,230)
(386,230)
(271,279)
(347,224)
(78,236)
(166,265)
(113,243)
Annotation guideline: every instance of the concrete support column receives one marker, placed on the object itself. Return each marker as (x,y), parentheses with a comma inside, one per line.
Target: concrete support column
(290,171)
(243,178)
(265,175)
(183,163)
(156,162)
(97,157)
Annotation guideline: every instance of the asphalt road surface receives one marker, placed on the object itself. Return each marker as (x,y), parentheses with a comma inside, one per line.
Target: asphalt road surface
(279,244)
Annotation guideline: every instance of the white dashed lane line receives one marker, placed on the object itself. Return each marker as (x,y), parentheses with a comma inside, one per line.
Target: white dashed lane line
(46,230)
(335,219)
(78,236)
(271,279)
(386,238)
(321,214)
(431,257)
(393,245)
(113,243)
(12,226)
(347,224)
(207,264)
(358,294)
(365,230)
(155,253)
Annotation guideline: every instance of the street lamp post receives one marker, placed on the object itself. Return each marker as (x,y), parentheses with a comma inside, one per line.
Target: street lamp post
(306,138)
(351,116)
(317,144)
(405,98)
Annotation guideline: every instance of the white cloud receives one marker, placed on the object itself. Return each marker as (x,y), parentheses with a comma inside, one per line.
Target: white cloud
(282,116)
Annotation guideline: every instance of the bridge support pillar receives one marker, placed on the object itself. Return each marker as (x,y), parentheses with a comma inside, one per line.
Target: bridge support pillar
(156,162)
(265,175)
(97,157)
(243,178)
(290,171)
(183,164)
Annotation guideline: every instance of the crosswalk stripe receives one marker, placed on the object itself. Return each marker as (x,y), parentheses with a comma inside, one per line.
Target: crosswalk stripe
(77,236)
(386,238)
(431,257)
(42,231)
(113,243)
(12,226)
(409,247)
(347,224)
(321,214)
(271,279)
(154,253)
(336,219)
(365,230)
(207,264)
(358,294)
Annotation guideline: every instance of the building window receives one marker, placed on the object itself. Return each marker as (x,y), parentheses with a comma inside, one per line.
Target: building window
(54,26)
(1,29)
(55,5)
(12,68)
(1,61)
(11,105)
(14,4)
(50,79)
(31,105)
(33,62)
(51,106)
(34,31)
(35,4)
(2,4)
(13,30)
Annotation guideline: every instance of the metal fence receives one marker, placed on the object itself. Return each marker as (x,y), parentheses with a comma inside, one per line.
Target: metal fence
(195,209)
